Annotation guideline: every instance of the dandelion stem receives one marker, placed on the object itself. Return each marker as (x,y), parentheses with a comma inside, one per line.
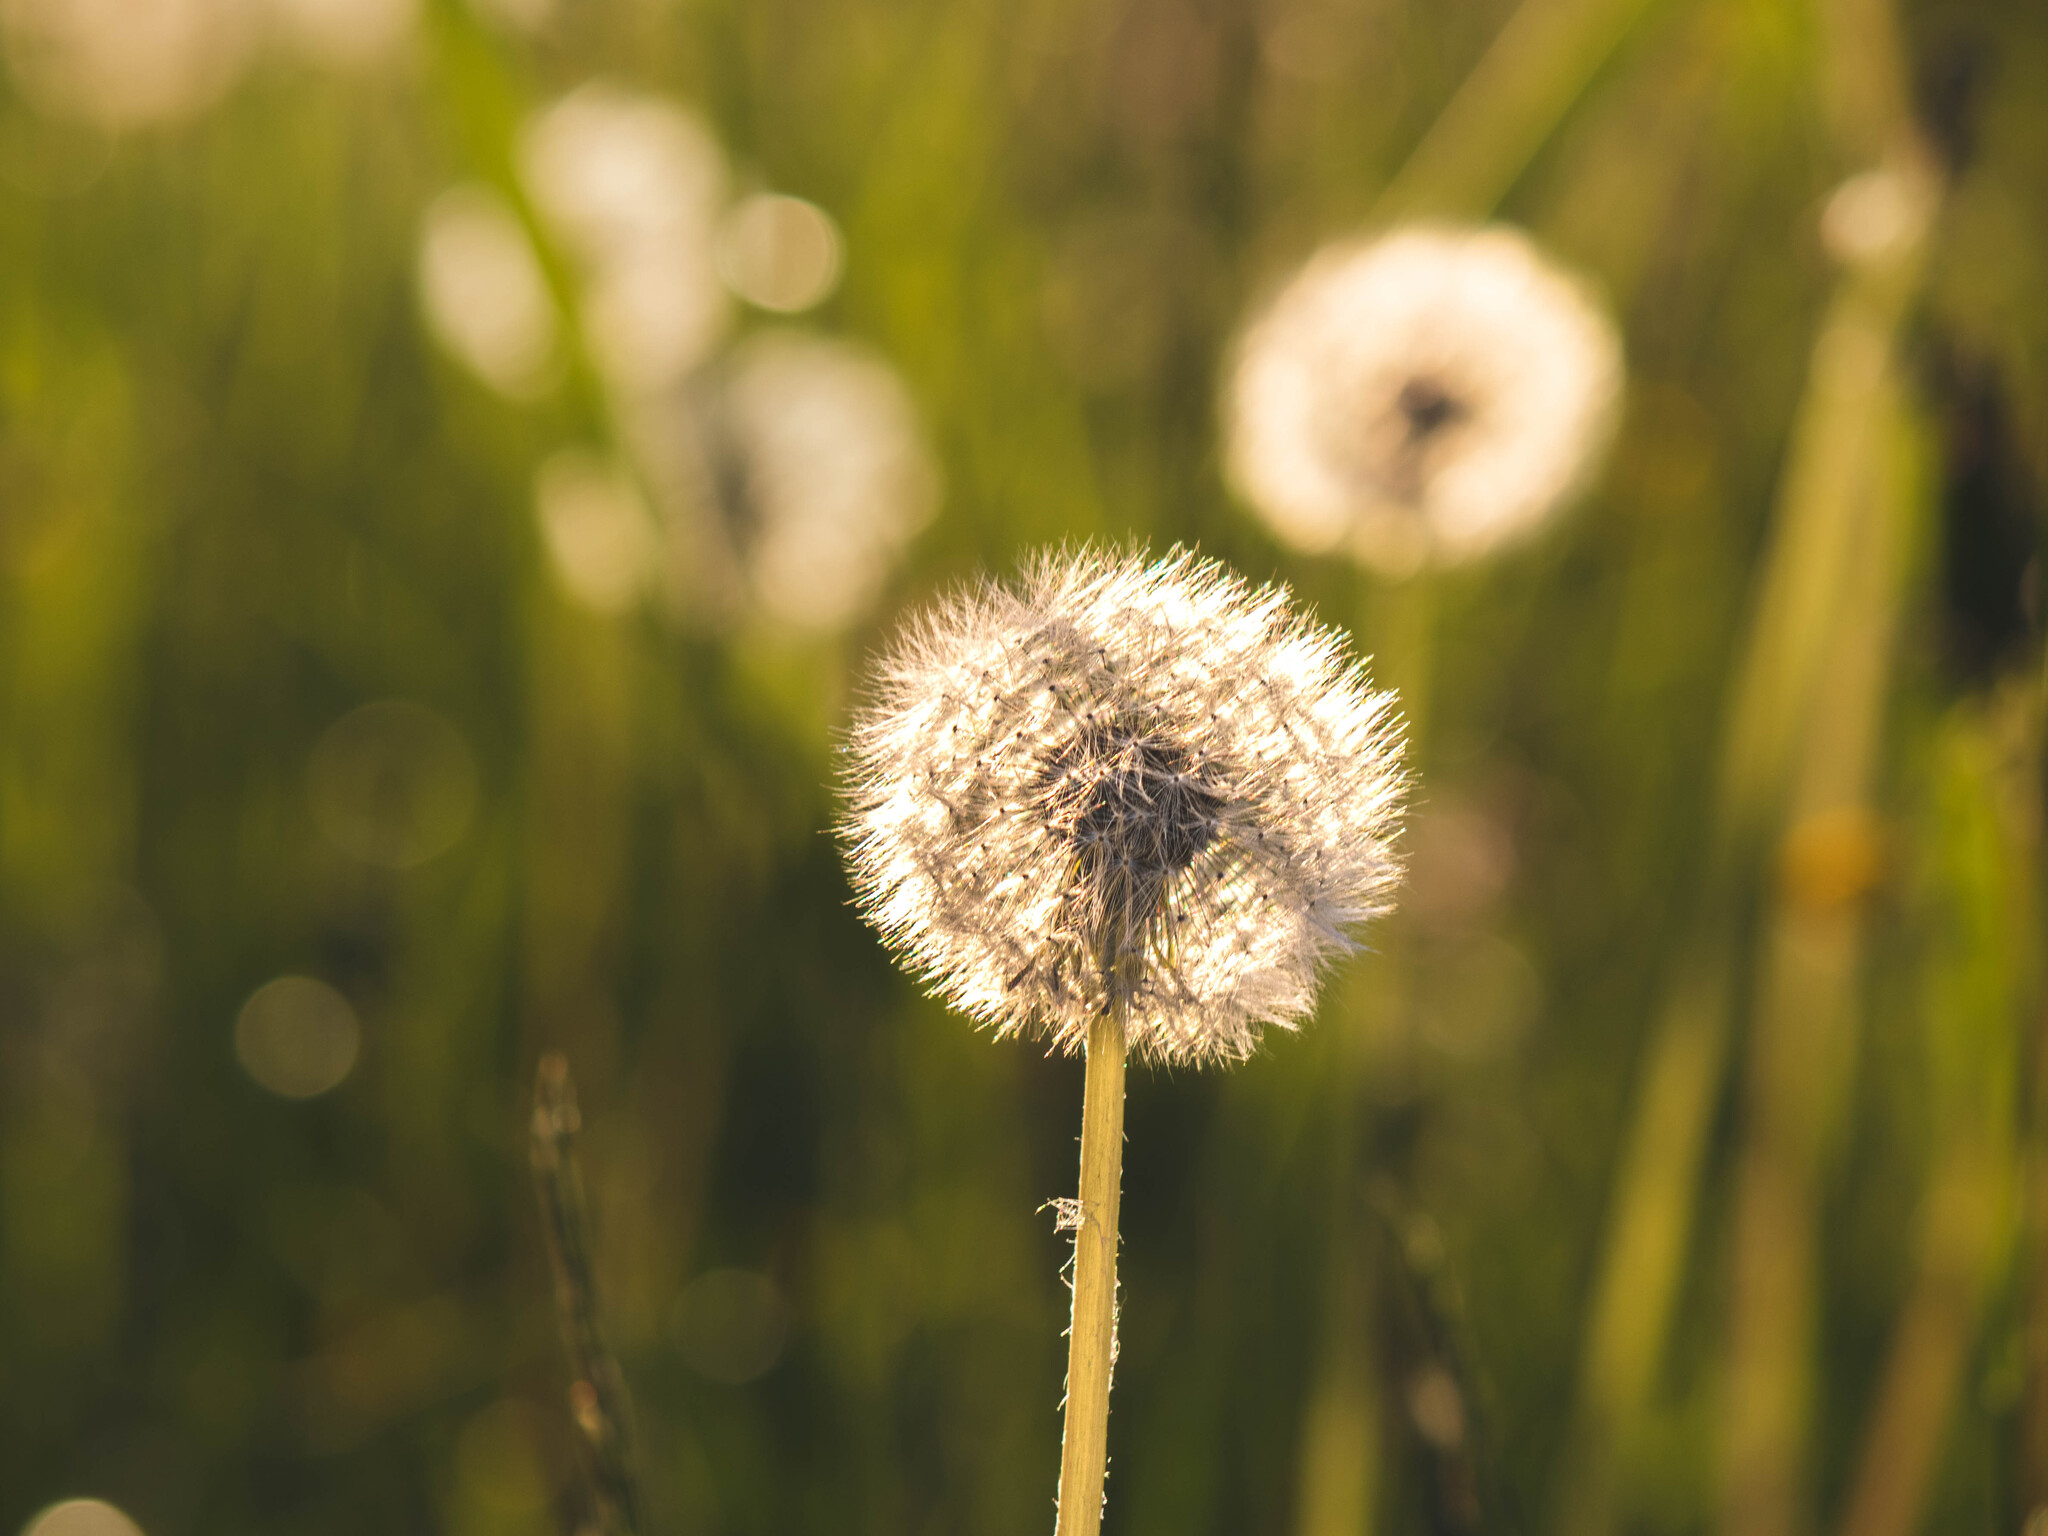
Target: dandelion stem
(1091,1338)
(597,1389)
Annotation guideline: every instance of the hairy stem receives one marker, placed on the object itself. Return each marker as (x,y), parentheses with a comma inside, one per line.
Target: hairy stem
(597,1389)
(1091,1338)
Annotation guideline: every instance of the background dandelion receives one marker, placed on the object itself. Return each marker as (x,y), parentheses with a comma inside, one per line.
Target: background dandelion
(635,187)
(1423,396)
(779,478)
(801,469)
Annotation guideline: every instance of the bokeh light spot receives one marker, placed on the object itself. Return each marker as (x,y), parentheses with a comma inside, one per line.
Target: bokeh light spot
(297,1037)
(81,1517)
(392,784)
(1437,1407)
(1831,860)
(125,63)
(485,297)
(347,34)
(780,253)
(730,1325)
(522,15)
(1870,215)
(597,529)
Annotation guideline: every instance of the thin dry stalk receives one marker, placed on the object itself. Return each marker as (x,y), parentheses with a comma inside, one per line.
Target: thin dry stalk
(597,1389)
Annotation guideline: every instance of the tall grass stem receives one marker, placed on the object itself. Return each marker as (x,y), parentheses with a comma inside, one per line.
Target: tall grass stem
(1540,63)
(1797,739)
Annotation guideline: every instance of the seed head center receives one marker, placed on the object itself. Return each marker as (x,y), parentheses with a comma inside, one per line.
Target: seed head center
(1134,808)
(1428,408)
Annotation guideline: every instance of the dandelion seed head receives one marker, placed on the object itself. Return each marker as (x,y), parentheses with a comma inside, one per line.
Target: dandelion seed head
(798,471)
(1425,396)
(635,186)
(1124,784)
(836,474)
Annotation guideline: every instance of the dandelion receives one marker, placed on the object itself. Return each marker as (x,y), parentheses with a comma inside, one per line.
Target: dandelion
(809,457)
(1125,806)
(1423,397)
(635,186)
(1127,787)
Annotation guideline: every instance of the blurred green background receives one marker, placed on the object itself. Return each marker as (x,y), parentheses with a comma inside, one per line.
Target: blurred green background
(1719,960)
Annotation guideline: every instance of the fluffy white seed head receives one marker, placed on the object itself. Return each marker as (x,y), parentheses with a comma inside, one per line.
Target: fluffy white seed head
(1425,396)
(795,471)
(1124,783)
(822,447)
(634,185)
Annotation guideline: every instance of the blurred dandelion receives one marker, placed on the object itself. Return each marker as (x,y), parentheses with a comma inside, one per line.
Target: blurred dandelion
(791,472)
(1127,805)
(126,63)
(1422,397)
(485,297)
(614,169)
(1135,787)
(809,458)
(635,187)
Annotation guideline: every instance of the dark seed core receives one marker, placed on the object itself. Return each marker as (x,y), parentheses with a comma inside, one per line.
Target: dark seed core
(1428,406)
(1131,803)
